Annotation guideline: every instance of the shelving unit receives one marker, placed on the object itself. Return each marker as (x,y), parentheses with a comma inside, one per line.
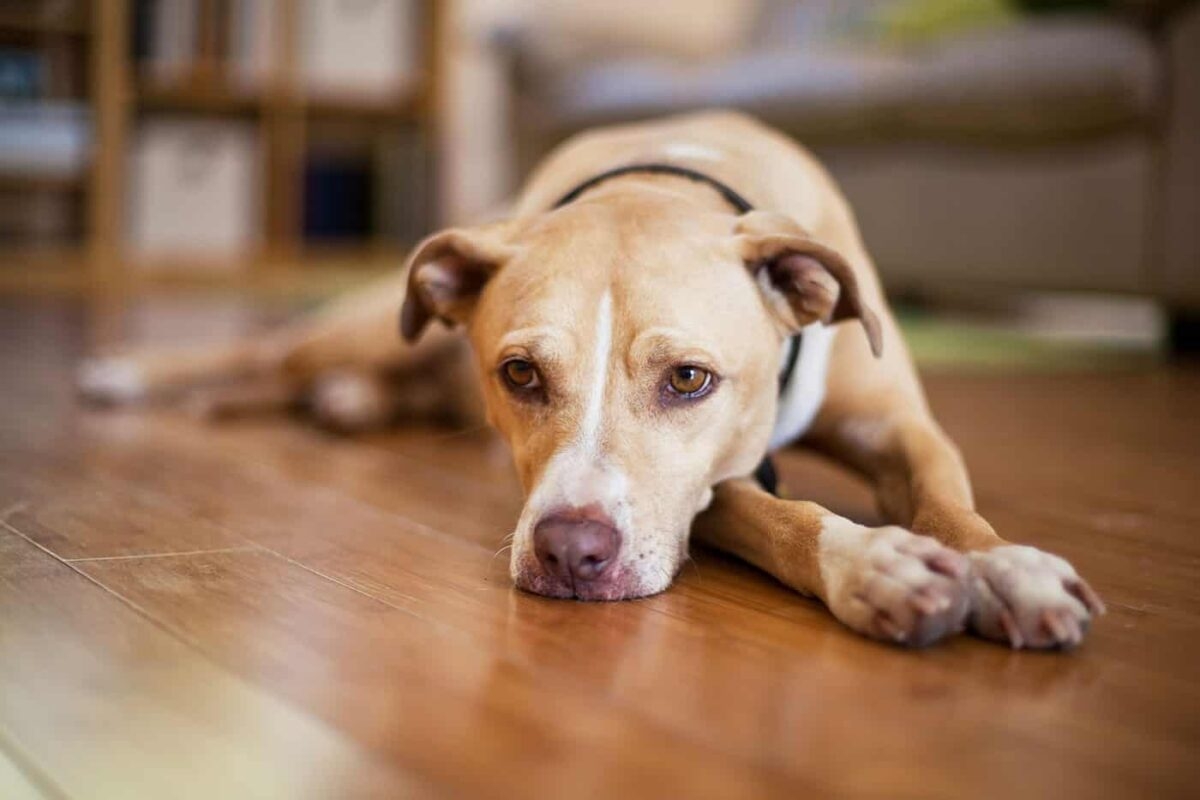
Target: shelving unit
(284,118)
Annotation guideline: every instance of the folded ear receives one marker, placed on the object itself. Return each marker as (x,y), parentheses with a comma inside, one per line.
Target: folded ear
(446,273)
(802,280)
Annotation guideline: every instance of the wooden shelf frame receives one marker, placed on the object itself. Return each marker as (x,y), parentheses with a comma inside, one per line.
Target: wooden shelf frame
(283,114)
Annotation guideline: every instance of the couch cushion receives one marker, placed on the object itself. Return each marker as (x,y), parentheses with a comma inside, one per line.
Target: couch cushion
(1039,78)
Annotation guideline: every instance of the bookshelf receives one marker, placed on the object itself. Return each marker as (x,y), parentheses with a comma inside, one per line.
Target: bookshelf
(287,122)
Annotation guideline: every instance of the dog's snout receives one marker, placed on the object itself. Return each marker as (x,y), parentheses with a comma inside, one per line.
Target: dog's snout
(575,547)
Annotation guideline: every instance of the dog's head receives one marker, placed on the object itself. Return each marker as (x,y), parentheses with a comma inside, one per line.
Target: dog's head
(629,352)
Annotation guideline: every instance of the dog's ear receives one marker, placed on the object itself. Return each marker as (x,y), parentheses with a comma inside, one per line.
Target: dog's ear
(802,280)
(446,273)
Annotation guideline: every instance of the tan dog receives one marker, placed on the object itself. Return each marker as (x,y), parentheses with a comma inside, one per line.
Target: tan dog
(629,345)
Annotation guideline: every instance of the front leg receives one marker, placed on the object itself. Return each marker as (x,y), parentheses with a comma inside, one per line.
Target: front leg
(887,583)
(1019,595)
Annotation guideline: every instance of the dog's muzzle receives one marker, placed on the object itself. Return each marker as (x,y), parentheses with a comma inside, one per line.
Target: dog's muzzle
(577,553)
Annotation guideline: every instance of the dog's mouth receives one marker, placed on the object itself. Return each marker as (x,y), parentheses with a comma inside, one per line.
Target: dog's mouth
(618,584)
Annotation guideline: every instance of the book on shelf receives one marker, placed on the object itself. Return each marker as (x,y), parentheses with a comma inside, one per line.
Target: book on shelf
(374,189)
(253,44)
(23,75)
(50,140)
(34,218)
(403,207)
(339,190)
(166,39)
(353,50)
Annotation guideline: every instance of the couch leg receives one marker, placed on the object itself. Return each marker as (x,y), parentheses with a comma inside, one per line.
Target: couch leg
(1183,334)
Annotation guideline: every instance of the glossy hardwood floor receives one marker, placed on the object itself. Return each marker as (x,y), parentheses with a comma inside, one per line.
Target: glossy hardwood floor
(257,609)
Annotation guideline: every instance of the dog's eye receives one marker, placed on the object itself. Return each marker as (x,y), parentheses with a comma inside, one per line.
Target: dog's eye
(520,374)
(690,381)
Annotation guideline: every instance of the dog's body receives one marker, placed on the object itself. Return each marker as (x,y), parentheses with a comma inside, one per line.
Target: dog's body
(630,343)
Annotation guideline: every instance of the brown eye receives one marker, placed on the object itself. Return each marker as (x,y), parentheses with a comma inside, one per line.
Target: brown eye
(520,374)
(688,381)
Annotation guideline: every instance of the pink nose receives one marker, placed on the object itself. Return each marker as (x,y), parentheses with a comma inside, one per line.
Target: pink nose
(575,546)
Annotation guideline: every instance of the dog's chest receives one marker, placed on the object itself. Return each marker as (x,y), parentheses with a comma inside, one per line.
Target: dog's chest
(803,391)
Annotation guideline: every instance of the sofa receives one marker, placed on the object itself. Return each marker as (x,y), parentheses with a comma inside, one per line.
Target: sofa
(1034,151)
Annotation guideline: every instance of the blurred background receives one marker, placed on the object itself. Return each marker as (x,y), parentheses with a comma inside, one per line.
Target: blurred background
(1026,172)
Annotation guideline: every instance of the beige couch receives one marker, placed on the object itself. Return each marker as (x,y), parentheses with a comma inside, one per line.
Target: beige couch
(1053,152)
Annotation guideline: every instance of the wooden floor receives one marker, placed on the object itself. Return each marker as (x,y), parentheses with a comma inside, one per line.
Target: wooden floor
(260,610)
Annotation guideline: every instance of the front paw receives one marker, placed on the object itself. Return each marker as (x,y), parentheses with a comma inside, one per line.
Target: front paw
(1028,598)
(894,585)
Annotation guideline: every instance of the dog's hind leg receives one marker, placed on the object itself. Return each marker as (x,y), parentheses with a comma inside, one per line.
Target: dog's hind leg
(251,396)
(359,331)
(159,372)
(887,583)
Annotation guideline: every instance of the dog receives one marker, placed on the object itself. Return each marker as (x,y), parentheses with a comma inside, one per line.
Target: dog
(665,303)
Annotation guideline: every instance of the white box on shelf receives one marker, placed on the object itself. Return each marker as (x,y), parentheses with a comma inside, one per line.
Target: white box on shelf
(358,49)
(194,190)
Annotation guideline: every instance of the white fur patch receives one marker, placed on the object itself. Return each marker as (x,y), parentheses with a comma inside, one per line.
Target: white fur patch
(692,151)
(801,399)
(593,418)
(839,545)
(114,380)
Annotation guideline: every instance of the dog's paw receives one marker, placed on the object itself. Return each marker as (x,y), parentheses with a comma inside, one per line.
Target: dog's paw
(110,380)
(894,585)
(1028,598)
(349,402)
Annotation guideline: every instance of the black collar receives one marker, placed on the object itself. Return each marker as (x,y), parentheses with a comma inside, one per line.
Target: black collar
(741,204)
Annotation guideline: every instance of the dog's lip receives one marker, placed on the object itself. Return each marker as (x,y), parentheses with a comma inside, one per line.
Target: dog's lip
(615,587)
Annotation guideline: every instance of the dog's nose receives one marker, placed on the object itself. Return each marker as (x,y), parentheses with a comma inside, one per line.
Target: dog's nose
(575,547)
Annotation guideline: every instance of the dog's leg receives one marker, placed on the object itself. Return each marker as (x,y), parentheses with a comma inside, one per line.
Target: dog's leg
(256,395)
(357,333)
(152,373)
(1019,595)
(887,583)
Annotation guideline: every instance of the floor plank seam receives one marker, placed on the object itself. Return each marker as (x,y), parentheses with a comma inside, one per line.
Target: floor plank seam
(267,472)
(29,767)
(370,754)
(14,508)
(107,590)
(136,556)
(441,626)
